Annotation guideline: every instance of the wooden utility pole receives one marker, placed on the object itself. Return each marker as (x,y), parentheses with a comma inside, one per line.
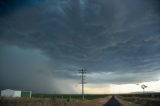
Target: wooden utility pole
(82,71)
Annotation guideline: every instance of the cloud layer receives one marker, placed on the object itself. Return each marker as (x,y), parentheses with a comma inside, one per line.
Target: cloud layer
(106,36)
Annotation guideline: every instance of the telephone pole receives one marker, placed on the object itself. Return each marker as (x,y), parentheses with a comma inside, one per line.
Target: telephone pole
(82,71)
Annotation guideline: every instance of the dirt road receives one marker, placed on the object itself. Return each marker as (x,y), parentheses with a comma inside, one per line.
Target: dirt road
(112,102)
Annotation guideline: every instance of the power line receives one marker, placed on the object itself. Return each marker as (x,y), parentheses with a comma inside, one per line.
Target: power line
(82,71)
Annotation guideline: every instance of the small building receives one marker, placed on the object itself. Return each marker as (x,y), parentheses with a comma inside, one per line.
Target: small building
(15,93)
(10,93)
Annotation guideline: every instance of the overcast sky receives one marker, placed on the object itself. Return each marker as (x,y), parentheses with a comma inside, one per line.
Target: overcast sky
(43,44)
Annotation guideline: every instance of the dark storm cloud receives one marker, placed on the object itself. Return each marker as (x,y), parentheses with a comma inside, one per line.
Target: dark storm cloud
(6,6)
(30,69)
(100,35)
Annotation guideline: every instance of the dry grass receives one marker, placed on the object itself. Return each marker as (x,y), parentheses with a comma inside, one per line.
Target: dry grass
(138,101)
(51,102)
(124,102)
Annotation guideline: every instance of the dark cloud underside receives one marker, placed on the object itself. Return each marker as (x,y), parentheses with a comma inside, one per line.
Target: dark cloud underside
(119,36)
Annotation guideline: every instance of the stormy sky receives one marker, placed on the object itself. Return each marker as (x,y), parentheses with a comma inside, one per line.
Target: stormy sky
(43,43)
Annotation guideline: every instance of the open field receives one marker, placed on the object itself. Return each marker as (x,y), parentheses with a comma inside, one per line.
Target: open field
(70,96)
(150,99)
(52,102)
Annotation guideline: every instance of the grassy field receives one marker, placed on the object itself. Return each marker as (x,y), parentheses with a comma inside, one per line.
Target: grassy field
(75,100)
(51,102)
(69,96)
(152,99)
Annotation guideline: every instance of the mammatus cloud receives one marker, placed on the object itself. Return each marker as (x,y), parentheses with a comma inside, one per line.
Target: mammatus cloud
(103,36)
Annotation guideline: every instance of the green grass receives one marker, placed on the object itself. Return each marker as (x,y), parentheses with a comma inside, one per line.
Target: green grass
(68,96)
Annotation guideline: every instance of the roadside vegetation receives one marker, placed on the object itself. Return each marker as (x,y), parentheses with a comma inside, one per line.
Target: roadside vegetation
(37,101)
(139,100)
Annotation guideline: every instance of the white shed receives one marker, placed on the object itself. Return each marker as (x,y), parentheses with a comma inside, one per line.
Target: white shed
(10,93)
